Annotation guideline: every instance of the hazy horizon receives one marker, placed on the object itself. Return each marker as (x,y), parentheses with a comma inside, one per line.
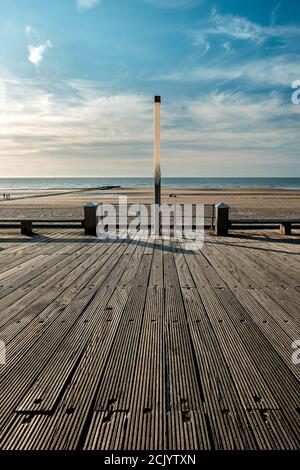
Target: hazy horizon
(149,177)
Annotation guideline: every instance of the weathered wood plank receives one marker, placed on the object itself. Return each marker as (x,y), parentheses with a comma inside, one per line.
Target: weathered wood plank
(149,343)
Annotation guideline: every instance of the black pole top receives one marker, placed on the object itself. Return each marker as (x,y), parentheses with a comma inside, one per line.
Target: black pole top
(157,99)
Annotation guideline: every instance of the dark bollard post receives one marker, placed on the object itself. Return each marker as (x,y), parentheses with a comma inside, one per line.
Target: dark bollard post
(90,218)
(221,219)
(26,228)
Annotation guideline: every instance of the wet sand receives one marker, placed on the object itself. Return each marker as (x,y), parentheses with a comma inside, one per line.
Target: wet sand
(252,203)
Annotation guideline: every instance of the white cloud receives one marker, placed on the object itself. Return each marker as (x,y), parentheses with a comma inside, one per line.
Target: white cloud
(274,14)
(234,26)
(80,125)
(174,3)
(227,47)
(240,28)
(86,4)
(202,43)
(36,53)
(28,29)
(268,72)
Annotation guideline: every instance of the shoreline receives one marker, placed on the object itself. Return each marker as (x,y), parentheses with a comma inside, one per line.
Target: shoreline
(149,187)
(164,188)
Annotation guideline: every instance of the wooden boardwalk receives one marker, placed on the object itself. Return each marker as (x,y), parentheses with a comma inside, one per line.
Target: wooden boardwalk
(148,344)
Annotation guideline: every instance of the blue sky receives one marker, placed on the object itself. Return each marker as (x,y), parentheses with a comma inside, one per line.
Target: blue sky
(77,79)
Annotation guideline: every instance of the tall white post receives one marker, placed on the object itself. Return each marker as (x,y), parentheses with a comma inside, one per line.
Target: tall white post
(157,175)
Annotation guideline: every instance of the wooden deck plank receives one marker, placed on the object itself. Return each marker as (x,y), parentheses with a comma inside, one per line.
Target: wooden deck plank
(149,343)
(45,391)
(39,354)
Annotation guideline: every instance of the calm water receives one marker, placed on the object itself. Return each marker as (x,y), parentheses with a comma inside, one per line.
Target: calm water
(37,184)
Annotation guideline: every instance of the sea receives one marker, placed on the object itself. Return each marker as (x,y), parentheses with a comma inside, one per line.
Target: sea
(34,185)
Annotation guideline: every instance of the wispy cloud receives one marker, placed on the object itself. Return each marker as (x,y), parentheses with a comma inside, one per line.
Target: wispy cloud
(233,26)
(227,47)
(30,31)
(274,14)
(203,44)
(80,122)
(36,53)
(86,4)
(272,71)
(184,4)
(241,29)
(75,127)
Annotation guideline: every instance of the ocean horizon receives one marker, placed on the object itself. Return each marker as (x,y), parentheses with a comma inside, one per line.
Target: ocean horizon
(52,184)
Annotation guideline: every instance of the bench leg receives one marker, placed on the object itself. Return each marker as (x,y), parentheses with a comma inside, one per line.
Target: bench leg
(286,228)
(26,228)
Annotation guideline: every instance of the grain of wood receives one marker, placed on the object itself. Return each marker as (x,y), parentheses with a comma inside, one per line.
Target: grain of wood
(149,343)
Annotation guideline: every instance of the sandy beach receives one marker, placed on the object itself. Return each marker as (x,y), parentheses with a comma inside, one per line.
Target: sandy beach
(252,203)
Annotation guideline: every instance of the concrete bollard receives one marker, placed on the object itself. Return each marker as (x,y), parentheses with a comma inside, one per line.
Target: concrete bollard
(221,219)
(90,218)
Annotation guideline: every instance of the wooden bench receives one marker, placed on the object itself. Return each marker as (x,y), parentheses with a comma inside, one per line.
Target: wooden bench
(223,223)
(285,228)
(27,224)
(285,225)
(89,222)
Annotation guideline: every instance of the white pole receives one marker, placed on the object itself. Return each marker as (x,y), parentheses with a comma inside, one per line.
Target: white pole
(157,101)
(157,174)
